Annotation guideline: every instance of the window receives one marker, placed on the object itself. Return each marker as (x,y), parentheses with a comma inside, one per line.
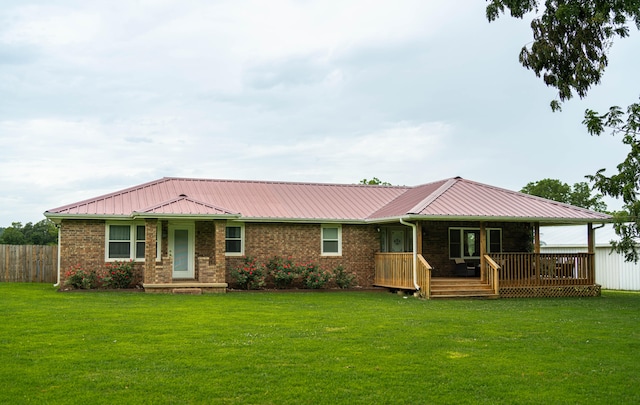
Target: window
(119,242)
(465,242)
(494,240)
(140,238)
(331,240)
(234,240)
(127,242)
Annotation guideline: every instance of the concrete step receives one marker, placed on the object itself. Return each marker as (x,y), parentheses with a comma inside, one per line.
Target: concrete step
(187,290)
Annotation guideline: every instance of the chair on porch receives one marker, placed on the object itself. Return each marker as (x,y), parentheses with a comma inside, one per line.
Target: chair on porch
(462,269)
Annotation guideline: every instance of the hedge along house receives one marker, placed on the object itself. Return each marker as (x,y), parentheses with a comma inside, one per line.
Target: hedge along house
(188,233)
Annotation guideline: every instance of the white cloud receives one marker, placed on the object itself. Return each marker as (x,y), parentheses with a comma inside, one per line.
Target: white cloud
(101,95)
(50,26)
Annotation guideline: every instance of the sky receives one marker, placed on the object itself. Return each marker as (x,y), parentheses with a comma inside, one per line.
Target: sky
(98,96)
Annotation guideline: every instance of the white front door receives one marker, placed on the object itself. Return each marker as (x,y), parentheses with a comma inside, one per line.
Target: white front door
(181,247)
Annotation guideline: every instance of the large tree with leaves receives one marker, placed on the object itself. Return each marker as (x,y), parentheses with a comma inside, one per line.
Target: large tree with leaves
(579,195)
(571,39)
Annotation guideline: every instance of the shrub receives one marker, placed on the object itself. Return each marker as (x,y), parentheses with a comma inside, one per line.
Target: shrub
(248,275)
(283,271)
(343,278)
(117,275)
(314,277)
(76,277)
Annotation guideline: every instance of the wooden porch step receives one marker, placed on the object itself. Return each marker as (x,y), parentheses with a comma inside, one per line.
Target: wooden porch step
(460,288)
(458,296)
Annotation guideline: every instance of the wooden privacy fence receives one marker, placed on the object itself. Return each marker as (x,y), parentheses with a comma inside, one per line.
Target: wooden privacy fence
(28,263)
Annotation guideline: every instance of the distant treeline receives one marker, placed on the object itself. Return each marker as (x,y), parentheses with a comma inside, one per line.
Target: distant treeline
(40,233)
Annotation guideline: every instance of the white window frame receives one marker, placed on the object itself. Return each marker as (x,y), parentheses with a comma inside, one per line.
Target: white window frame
(234,225)
(461,230)
(339,240)
(133,242)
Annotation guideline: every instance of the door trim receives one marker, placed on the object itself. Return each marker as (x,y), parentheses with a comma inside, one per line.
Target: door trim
(190,228)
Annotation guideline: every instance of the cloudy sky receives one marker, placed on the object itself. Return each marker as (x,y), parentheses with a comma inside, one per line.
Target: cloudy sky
(97,96)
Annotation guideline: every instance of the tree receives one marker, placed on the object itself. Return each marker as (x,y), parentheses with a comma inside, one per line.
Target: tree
(40,233)
(570,39)
(626,182)
(13,235)
(569,51)
(579,195)
(374,182)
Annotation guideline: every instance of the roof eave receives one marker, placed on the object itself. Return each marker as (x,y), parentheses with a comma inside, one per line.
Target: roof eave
(545,220)
(56,218)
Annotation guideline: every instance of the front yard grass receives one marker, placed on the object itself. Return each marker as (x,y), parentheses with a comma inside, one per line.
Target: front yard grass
(315,347)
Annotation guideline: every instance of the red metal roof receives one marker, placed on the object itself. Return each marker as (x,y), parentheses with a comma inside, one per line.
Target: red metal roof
(260,200)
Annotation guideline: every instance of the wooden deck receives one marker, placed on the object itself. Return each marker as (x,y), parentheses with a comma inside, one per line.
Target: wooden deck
(502,275)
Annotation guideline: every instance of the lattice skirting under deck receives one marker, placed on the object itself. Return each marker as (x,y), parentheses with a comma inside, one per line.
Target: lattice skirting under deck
(556,291)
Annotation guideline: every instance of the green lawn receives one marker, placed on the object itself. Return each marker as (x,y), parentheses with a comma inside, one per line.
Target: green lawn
(315,347)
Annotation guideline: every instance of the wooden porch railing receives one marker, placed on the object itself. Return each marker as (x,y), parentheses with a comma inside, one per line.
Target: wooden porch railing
(424,276)
(395,270)
(491,274)
(546,269)
(501,270)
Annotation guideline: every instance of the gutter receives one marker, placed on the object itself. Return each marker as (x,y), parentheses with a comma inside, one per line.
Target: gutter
(545,220)
(59,244)
(414,227)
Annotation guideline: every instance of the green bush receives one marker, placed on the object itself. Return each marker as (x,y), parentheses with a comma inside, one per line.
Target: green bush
(283,271)
(248,275)
(314,277)
(77,277)
(117,275)
(343,278)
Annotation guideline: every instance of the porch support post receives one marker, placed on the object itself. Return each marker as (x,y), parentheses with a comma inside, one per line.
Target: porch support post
(219,259)
(591,249)
(483,249)
(150,240)
(419,236)
(536,247)
(536,241)
(591,238)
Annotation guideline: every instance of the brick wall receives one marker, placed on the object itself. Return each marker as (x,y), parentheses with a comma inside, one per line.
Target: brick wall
(435,241)
(302,243)
(83,243)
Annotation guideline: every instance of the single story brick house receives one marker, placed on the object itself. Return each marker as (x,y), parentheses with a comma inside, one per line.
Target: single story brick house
(188,233)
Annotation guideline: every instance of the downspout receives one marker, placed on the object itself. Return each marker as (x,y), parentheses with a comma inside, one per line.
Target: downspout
(59,234)
(415,252)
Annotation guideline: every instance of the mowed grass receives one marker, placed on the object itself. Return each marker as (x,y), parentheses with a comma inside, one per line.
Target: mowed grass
(314,348)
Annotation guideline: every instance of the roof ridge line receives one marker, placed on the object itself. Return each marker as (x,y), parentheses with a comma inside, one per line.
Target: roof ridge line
(433,196)
(285,182)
